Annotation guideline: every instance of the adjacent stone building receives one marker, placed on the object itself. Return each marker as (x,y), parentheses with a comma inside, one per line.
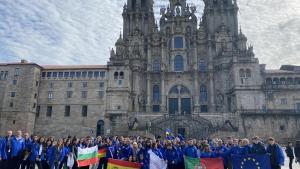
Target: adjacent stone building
(197,78)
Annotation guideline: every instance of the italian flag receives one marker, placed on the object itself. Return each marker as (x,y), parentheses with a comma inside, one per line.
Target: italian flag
(87,156)
(102,153)
(113,164)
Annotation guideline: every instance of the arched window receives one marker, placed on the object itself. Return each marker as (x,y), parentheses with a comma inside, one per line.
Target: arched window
(282,81)
(178,63)
(174,90)
(203,93)
(202,66)
(156,66)
(178,42)
(242,73)
(121,75)
(269,81)
(290,81)
(297,81)
(156,94)
(276,81)
(248,73)
(116,74)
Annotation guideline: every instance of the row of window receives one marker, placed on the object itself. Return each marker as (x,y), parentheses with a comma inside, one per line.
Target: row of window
(84,74)
(118,75)
(3,75)
(84,85)
(245,73)
(178,64)
(69,94)
(283,81)
(67,112)
(156,93)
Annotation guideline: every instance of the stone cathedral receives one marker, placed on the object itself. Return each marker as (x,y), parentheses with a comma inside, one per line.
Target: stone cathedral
(196,77)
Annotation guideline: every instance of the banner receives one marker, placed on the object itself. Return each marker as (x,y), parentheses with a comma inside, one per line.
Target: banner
(119,164)
(192,163)
(251,161)
(212,163)
(87,156)
(102,153)
(156,162)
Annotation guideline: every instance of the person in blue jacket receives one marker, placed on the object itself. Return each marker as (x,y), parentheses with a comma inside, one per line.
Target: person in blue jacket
(257,147)
(125,150)
(223,152)
(34,153)
(57,154)
(191,150)
(28,142)
(171,155)
(276,154)
(6,160)
(48,154)
(18,146)
(1,145)
(143,155)
(245,148)
(207,153)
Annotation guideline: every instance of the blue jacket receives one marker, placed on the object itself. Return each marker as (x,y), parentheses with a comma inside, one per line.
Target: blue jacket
(245,150)
(223,152)
(191,151)
(34,151)
(124,152)
(144,158)
(276,153)
(208,155)
(4,149)
(18,146)
(52,155)
(171,155)
(258,149)
(48,153)
(1,147)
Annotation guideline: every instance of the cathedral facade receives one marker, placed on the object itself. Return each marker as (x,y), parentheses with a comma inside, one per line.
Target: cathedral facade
(198,78)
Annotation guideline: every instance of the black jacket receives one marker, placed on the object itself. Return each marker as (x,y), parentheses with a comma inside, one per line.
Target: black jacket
(289,152)
(297,151)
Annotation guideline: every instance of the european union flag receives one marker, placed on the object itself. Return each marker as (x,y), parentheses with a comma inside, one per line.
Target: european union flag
(251,162)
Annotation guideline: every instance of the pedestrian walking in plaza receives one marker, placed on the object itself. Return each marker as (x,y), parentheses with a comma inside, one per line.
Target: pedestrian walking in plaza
(290,154)
(297,151)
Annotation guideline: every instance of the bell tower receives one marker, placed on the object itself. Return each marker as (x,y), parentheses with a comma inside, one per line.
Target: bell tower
(138,14)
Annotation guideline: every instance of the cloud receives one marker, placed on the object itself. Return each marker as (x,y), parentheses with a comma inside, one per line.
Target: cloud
(82,31)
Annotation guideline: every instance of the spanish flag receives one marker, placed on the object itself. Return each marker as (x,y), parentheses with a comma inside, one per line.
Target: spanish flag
(102,153)
(119,164)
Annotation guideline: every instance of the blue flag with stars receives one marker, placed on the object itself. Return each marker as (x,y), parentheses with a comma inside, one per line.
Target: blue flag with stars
(251,162)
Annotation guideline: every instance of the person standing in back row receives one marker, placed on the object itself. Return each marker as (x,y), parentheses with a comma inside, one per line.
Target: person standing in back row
(290,154)
(297,151)
(276,154)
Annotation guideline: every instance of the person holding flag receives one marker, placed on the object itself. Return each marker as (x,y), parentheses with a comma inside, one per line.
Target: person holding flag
(171,155)
(277,156)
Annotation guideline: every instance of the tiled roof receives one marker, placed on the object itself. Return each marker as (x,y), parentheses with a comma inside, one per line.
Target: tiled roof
(61,67)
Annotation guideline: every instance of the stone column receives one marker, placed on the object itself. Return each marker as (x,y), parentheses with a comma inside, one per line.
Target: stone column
(211,93)
(149,94)
(196,83)
(163,94)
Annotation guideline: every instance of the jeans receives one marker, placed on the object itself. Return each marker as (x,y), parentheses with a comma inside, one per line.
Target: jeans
(291,163)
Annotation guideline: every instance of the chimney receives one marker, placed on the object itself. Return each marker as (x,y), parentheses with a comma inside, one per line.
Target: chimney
(24,61)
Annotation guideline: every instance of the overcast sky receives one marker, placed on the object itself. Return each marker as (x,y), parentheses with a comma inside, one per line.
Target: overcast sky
(82,31)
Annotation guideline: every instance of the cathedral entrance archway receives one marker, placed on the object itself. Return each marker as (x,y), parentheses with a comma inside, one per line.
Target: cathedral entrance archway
(100,128)
(179,100)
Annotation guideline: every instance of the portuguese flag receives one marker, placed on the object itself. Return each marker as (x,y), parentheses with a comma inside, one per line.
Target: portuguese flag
(207,163)
(87,156)
(102,153)
(113,164)
(192,163)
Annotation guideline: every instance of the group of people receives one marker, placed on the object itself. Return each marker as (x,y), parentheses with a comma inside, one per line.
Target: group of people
(27,152)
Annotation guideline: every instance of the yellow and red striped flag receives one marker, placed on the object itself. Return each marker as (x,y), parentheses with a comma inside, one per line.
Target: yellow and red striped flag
(102,153)
(112,164)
